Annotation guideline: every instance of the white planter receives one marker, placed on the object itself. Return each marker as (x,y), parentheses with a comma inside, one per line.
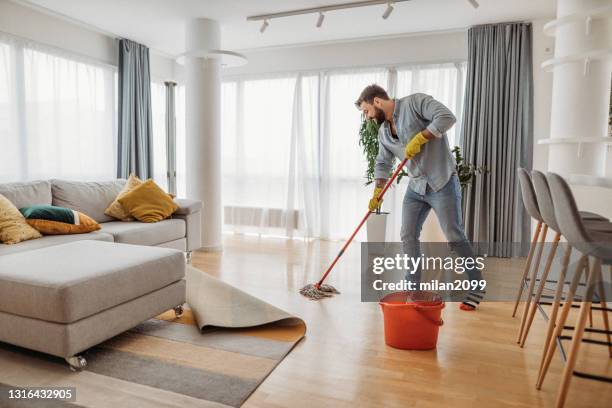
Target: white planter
(377,227)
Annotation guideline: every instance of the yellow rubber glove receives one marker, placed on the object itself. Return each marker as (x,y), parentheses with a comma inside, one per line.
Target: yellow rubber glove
(414,146)
(375,202)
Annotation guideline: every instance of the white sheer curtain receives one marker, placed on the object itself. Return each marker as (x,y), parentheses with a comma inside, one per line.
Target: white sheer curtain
(256,129)
(57,114)
(344,196)
(290,147)
(11,147)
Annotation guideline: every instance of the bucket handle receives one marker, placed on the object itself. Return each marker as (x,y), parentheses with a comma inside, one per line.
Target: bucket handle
(418,309)
(434,322)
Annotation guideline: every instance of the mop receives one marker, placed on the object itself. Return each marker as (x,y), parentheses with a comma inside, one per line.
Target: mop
(319,290)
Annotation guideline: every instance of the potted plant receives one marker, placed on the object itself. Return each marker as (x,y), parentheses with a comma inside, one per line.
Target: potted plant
(466,171)
(376,225)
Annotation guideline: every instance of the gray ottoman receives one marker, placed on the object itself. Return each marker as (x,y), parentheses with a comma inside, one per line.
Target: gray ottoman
(64,299)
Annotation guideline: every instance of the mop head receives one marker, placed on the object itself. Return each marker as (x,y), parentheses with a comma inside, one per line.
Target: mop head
(312,292)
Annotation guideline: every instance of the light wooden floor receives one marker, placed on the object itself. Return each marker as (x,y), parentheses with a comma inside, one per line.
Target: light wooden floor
(344,362)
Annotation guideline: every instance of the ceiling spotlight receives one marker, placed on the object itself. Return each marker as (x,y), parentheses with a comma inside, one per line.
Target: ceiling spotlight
(388,11)
(320,20)
(264,26)
(474,3)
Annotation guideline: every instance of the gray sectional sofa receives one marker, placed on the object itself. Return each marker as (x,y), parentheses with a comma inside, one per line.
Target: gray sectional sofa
(181,231)
(66,293)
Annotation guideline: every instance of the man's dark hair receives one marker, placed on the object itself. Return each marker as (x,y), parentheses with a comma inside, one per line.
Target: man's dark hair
(369,93)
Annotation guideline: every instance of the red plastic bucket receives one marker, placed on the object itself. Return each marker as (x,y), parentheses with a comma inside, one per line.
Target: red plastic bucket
(412,319)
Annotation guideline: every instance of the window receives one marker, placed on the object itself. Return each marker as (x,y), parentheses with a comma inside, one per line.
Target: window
(345,195)
(290,147)
(57,115)
(256,129)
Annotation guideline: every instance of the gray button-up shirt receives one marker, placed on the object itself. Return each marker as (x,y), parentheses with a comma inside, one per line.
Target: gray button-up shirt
(435,164)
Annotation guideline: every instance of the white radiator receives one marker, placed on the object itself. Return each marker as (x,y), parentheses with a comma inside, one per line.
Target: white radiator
(261,217)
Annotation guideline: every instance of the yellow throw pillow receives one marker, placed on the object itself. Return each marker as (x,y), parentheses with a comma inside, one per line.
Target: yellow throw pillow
(116,210)
(13,225)
(148,203)
(84,225)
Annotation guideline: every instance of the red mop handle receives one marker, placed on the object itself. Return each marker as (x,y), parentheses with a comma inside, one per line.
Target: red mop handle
(380,196)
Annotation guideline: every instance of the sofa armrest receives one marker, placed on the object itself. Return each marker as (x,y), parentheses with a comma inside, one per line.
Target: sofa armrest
(187,206)
(191,212)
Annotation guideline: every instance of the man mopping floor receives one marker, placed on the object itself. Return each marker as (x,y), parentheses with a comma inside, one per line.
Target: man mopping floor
(414,127)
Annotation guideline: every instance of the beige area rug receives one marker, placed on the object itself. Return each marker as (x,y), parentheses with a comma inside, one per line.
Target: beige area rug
(221,349)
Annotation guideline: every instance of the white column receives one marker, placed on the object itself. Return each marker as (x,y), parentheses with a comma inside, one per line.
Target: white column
(580,100)
(202,121)
(581,88)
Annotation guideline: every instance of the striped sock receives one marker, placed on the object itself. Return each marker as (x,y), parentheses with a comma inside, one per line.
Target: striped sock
(472,300)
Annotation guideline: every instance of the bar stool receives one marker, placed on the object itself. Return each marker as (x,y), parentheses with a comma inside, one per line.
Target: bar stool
(531,205)
(594,244)
(547,212)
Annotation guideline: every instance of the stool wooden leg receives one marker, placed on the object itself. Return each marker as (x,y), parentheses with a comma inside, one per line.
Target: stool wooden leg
(538,295)
(555,306)
(534,275)
(567,305)
(568,370)
(534,243)
(604,304)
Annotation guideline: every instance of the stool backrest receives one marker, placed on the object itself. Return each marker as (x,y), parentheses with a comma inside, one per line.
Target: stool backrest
(566,210)
(529,198)
(545,202)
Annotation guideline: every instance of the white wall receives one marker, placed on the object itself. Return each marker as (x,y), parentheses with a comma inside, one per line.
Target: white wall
(434,47)
(163,68)
(43,28)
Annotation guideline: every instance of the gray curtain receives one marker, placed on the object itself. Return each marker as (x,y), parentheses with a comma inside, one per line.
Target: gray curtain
(135,136)
(497,133)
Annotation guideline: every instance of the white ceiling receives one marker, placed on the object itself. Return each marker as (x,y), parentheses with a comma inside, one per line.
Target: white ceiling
(160,23)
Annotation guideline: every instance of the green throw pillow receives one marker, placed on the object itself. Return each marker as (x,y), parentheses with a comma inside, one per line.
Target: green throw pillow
(49,212)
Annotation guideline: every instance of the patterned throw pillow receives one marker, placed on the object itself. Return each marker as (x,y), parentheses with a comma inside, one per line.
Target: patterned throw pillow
(13,226)
(116,210)
(52,220)
(148,202)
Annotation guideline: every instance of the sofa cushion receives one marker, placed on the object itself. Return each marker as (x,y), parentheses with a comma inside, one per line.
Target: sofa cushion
(52,220)
(90,197)
(141,233)
(50,240)
(27,193)
(69,282)
(13,226)
(148,202)
(116,210)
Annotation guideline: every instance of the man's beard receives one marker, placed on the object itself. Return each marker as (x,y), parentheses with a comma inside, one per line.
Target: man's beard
(379,116)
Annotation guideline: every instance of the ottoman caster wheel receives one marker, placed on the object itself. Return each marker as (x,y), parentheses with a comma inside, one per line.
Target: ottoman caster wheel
(76,363)
(178,311)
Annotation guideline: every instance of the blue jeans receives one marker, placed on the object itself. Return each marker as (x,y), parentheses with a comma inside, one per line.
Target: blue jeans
(446,203)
